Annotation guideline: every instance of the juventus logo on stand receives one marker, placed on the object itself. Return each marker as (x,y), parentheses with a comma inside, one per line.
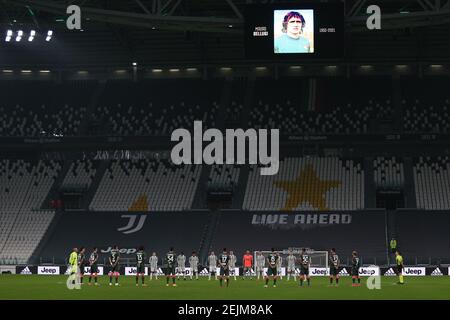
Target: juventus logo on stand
(133,225)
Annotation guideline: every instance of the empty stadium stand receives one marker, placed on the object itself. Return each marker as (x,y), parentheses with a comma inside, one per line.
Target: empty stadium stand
(308,183)
(24,186)
(146,185)
(432,182)
(388,172)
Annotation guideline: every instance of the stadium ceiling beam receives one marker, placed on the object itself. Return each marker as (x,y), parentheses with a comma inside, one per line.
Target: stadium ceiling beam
(163,22)
(235,9)
(144,8)
(356,8)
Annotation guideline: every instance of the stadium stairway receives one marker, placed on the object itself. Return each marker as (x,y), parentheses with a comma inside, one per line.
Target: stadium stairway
(199,201)
(409,188)
(84,127)
(369,184)
(207,242)
(225,102)
(248,100)
(238,198)
(95,184)
(54,190)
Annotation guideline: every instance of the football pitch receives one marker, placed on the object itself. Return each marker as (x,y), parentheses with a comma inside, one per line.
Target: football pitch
(54,287)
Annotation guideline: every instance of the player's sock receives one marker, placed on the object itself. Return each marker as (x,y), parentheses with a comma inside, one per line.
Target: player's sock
(90,277)
(143,279)
(309,282)
(81,279)
(95,278)
(167,280)
(337,281)
(117,279)
(209,277)
(359,280)
(220,281)
(289,276)
(401,278)
(353,280)
(301,282)
(173,280)
(331,280)
(110,278)
(228,281)
(267,281)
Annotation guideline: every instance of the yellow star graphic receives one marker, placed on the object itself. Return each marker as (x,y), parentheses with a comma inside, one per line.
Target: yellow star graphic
(307,187)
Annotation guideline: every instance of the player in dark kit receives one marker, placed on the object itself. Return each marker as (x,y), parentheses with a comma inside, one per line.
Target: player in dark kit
(93,266)
(114,263)
(304,267)
(224,265)
(170,270)
(81,263)
(272,260)
(355,269)
(334,267)
(140,266)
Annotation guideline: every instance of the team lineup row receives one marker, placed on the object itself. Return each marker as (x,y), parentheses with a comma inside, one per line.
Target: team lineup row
(225,262)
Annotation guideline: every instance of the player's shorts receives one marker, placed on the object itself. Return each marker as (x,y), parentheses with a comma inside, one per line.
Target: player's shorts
(304,271)
(290,269)
(212,269)
(140,269)
(94,268)
(81,269)
(259,269)
(355,272)
(194,269)
(272,271)
(115,268)
(181,269)
(399,270)
(153,269)
(224,272)
(333,271)
(170,271)
(232,270)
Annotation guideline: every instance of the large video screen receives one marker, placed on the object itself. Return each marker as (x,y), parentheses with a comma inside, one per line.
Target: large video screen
(294,31)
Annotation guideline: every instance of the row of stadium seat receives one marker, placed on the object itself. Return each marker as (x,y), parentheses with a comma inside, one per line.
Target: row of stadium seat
(432,181)
(388,172)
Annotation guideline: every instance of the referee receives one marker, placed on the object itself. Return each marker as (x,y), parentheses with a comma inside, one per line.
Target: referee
(399,260)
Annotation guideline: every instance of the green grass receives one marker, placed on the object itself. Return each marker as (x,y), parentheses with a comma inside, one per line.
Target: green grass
(54,287)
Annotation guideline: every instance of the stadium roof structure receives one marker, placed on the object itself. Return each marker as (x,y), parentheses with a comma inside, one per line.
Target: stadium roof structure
(206,31)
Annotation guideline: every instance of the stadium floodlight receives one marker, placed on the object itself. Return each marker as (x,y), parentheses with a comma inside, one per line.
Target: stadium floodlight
(174,70)
(191,69)
(157,70)
(9,35)
(134,64)
(49,35)
(26,71)
(32,34)
(19,36)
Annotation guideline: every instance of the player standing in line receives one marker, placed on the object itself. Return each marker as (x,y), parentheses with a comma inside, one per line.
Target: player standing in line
(304,267)
(93,258)
(233,261)
(140,266)
(212,262)
(170,270)
(114,263)
(73,262)
(334,267)
(290,265)
(81,263)
(260,262)
(193,263)
(400,266)
(181,261)
(247,262)
(153,261)
(224,265)
(272,260)
(355,269)
(280,263)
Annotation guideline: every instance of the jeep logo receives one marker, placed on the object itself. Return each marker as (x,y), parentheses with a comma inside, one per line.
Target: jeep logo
(368,272)
(413,271)
(122,251)
(319,272)
(48,270)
